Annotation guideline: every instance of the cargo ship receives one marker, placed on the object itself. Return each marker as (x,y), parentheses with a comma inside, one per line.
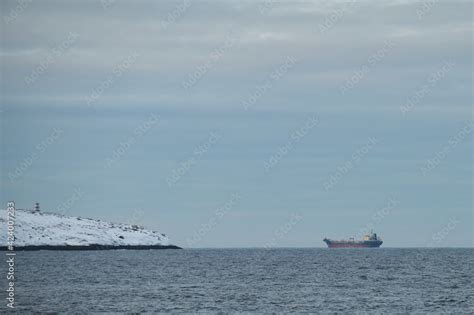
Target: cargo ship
(370,240)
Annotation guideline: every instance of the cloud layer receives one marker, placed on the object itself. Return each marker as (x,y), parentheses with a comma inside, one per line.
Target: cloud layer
(331,42)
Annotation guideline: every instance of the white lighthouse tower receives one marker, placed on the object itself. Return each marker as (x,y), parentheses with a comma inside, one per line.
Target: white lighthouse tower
(37,207)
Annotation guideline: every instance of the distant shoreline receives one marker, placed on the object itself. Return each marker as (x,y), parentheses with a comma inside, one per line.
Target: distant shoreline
(89,247)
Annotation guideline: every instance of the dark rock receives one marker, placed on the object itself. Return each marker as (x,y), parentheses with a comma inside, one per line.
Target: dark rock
(89,247)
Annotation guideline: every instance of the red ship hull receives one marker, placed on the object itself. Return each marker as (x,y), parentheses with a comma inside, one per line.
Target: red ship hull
(353,244)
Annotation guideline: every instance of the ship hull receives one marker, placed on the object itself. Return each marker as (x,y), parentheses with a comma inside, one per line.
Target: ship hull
(349,244)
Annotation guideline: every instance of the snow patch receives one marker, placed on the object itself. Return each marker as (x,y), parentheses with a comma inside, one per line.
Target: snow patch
(38,228)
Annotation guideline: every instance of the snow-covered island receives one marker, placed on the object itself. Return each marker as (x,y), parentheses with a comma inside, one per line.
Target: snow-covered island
(35,230)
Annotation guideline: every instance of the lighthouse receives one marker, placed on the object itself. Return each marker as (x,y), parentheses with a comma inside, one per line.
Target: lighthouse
(37,207)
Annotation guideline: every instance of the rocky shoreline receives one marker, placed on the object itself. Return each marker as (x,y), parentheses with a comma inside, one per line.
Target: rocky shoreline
(89,247)
(31,230)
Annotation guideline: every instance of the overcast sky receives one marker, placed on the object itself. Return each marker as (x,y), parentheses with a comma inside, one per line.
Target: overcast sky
(243,123)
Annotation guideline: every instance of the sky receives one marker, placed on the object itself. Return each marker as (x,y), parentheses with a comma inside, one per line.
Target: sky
(243,123)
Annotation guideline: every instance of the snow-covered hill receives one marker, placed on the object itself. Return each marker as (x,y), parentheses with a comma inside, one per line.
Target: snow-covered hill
(40,229)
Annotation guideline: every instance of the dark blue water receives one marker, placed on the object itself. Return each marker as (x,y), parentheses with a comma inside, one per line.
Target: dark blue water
(247,280)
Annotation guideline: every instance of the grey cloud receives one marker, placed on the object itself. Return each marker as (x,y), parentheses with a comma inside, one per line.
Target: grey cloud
(167,56)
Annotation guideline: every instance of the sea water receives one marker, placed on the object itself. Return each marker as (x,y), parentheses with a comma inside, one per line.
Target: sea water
(384,280)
